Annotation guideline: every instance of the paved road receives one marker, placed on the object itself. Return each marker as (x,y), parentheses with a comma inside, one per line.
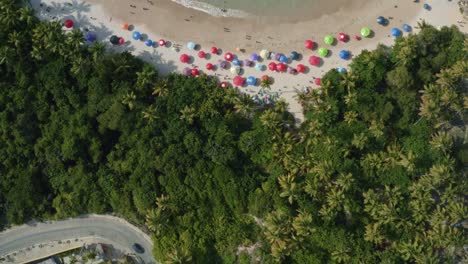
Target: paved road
(121,233)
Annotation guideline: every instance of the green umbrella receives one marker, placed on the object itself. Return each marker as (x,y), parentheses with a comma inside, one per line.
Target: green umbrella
(365,31)
(323,52)
(329,40)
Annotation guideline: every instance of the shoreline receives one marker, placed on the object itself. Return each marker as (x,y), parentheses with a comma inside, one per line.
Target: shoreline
(163,16)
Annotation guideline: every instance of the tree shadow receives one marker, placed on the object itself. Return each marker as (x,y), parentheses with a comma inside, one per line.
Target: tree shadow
(154,57)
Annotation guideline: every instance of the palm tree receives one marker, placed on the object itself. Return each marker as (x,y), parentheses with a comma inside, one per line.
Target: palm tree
(150,114)
(244,105)
(270,119)
(178,256)
(6,55)
(350,117)
(146,76)
(16,38)
(188,114)
(27,15)
(289,187)
(373,233)
(278,232)
(161,88)
(8,14)
(266,83)
(281,106)
(302,224)
(129,99)
(97,49)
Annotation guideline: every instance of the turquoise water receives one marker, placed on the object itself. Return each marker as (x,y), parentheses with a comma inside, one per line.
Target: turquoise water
(262,7)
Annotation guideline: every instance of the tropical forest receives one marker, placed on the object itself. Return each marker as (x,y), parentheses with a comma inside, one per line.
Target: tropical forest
(376,173)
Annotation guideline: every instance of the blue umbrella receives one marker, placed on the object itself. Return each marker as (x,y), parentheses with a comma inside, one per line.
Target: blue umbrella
(381,20)
(294,55)
(283,59)
(236,62)
(259,66)
(223,64)
(254,57)
(136,35)
(406,28)
(344,54)
(251,80)
(191,45)
(149,43)
(272,55)
(396,32)
(90,37)
(278,56)
(187,71)
(341,70)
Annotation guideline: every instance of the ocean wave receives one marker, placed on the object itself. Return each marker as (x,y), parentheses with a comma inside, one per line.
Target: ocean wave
(212,10)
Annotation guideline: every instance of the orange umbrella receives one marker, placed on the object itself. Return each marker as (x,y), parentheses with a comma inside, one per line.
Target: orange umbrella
(125,26)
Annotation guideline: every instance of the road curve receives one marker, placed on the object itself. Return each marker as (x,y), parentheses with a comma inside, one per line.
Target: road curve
(120,232)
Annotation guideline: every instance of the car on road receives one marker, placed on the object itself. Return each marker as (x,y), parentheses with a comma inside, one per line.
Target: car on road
(138,248)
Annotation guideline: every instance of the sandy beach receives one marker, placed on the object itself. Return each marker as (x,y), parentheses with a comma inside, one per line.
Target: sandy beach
(178,25)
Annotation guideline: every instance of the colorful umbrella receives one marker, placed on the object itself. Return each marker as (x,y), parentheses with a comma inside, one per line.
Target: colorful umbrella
(294,55)
(381,20)
(315,61)
(259,67)
(68,23)
(136,35)
(323,52)
(114,40)
(149,43)
(209,66)
(254,57)
(238,81)
(187,71)
(278,56)
(344,54)
(121,41)
(248,63)
(329,40)
(341,70)
(264,54)
(251,81)
(125,26)
(318,81)
(184,58)
(223,64)
(235,70)
(406,28)
(272,66)
(281,67)
(365,32)
(201,54)
(309,44)
(301,68)
(214,50)
(236,62)
(343,37)
(90,37)
(195,72)
(396,32)
(283,58)
(228,56)
(191,45)
(162,43)
(427,6)
(292,71)
(224,85)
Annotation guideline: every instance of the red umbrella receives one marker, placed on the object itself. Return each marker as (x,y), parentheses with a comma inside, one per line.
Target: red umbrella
(224,85)
(281,67)
(272,66)
(343,37)
(162,42)
(184,58)
(265,77)
(301,68)
(195,72)
(238,81)
(121,41)
(201,54)
(228,56)
(214,50)
(209,66)
(318,81)
(68,23)
(314,60)
(309,44)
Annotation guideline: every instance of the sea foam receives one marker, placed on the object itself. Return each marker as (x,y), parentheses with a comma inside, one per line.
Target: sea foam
(212,10)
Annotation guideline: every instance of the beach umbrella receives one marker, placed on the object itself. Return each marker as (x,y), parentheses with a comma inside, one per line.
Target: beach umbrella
(248,63)
(162,43)
(281,67)
(251,81)
(381,20)
(195,72)
(238,81)
(259,67)
(396,32)
(341,70)
(318,81)
(184,58)
(209,66)
(214,50)
(191,45)
(427,6)
(90,37)
(125,26)
(235,70)
(309,44)
(68,23)
(254,57)
(114,40)
(121,41)
(344,54)
(201,54)
(272,66)
(136,35)
(314,60)
(365,32)
(187,71)
(406,28)
(224,84)
(228,56)
(264,54)
(223,64)
(294,55)
(277,56)
(149,43)
(323,52)
(329,40)
(301,68)
(283,58)
(343,37)
(292,70)
(357,37)
(236,62)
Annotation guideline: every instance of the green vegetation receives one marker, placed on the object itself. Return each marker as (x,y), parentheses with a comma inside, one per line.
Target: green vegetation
(373,175)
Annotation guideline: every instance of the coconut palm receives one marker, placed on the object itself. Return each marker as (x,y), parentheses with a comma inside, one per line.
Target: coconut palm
(303,224)
(16,38)
(27,15)
(244,105)
(6,55)
(8,15)
(97,49)
(188,114)
(289,187)
(129,100)
(281,106)
(150,114)
(271,119)
(266,83)
(161,88)
(373,233)
(145,77)
(178,256)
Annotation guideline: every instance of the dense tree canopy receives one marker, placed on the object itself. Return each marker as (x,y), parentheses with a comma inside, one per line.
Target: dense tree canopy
(375,174)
